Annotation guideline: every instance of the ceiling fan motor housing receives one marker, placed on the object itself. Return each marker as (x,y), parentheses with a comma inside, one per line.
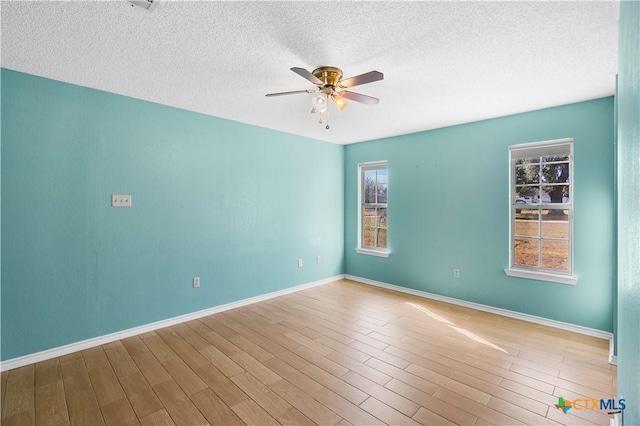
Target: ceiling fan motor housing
(330,76)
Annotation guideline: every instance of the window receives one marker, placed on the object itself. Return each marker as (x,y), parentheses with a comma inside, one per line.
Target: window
(372,211)
(542,211)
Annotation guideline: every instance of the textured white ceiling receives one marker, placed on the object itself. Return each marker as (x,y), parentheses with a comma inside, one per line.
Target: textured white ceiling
(444,63)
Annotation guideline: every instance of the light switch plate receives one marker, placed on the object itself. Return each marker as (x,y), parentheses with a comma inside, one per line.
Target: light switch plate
(120,200)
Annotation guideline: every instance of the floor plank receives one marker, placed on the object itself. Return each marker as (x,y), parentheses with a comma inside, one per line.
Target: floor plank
(105,385)
(19,400)
(427,417)
(184,376)
(178,405)
(81,401)
(119,412)
(253,415)
(385,413)
(261,394)
(350,412)
(214,409)
(151,368)
(304,403)
(300,380)
(142,397)
(398,402)
(51,404)
(158,418)
(338,386)
(221,385)
(3,387)
(441,408)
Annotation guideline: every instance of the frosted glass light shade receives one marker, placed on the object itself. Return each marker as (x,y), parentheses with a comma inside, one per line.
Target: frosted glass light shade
(319,103)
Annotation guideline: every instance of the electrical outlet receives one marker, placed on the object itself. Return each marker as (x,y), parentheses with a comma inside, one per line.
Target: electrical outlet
(120,200)
(456,273)
(196,282)
(299,263)
(317,259)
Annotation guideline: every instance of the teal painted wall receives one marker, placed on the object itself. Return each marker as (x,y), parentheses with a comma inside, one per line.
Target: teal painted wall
(628,114)
(234,204)
(449,208)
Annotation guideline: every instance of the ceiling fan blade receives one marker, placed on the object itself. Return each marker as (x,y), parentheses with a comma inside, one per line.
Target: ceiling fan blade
(306,74)
(290,93)
(367,77)
(358,97)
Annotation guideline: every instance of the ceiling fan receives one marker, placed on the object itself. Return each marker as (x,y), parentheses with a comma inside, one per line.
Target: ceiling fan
(330,85)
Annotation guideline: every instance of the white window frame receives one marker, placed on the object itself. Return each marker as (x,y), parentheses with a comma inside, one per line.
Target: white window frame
(372,251)
(534,149)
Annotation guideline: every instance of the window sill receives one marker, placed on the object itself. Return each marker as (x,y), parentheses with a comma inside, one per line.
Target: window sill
(542,276)
(373,252)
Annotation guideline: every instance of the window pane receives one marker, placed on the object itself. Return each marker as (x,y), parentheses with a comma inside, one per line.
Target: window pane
(382,238)
(382,217)
(370,185)
(369,192)
(370,175)
(530,160)
(555,173)
(525,252)
(382,176)
(527,194)
(527,173)
(551,150)
(369,217)
(555,224)
(382,193)
(556,194)
(555,255)
(527,223)
(549,158)
(368,237)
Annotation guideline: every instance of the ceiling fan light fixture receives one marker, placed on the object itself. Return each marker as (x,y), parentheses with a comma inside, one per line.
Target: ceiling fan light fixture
(339,101)
(319,103)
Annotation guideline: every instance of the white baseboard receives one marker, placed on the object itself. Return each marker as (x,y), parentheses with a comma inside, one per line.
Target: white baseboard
(499,311)
(616,420)
(108,338)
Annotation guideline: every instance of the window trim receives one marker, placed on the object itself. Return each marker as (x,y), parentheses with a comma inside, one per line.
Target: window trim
(371,251)
(539,273)
(542,276)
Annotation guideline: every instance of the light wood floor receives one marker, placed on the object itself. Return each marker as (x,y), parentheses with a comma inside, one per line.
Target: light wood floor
(342,353)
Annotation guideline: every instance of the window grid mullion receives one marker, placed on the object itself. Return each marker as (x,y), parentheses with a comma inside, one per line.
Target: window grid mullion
(540,214)
(539,238)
